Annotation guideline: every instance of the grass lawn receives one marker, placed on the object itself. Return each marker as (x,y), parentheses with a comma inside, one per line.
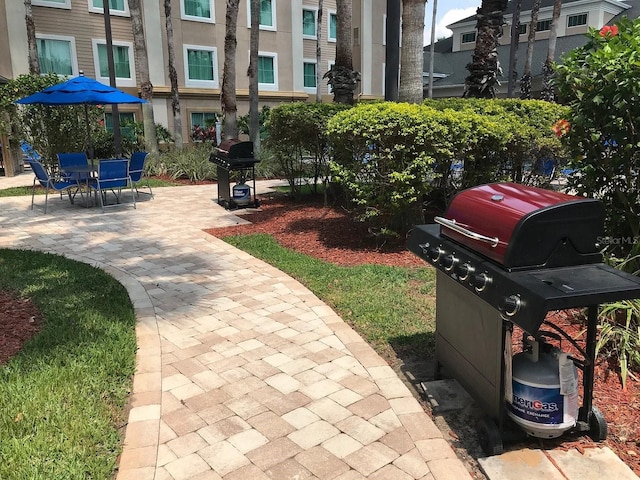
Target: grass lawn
(21,191)
(393,308)
(62,397)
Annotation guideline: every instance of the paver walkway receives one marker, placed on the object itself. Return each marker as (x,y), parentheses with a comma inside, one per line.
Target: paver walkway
(242,373)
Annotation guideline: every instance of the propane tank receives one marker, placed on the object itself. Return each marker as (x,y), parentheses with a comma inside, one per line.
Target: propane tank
(241,193)
(544,400)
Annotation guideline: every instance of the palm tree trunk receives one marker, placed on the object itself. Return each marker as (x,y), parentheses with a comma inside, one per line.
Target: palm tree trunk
(547,92)
(173,78)
(32,45)
(254,42)
(432,46)
(411,55)
(229,102)
(485,67)
(146,87)
(515,43)
(525,81)
(342,78)
(319,52)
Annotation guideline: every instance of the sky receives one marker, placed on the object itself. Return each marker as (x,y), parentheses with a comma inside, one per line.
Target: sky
(448,11)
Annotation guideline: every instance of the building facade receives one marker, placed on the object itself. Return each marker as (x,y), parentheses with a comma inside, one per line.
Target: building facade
(71,38)
(577,16)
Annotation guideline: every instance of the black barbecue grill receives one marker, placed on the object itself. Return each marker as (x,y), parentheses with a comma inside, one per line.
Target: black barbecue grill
(234,155)
(506,255)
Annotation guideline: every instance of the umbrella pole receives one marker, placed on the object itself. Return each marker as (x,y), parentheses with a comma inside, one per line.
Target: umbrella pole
(86,120)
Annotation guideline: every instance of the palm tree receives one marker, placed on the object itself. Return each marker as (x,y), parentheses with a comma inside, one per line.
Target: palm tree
(515,43)
(432,46)
(229,103)
(525,81)
(146,87)
(34,62)
(342,78)
(485,67)
(547,92)
(411,55)
(319,52)
(173,77)
(254,42)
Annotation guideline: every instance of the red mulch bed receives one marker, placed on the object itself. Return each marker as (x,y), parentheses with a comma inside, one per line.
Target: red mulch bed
(328,233)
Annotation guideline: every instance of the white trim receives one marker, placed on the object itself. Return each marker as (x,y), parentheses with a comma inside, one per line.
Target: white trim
(315,22)
(112,12)
(329,13)
(215,83)
(384,29)
(72,49)
(120,81)
(314,62)
(66,4)
(273,27)
(192,18)
(270,86)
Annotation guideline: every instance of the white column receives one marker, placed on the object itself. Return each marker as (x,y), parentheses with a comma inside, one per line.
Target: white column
(366,44)
(297,49)
(17,33)
(153,28)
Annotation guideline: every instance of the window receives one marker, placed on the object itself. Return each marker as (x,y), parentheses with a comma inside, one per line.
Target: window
(523,29)
(201,66)
(198,10)
(309,23)
(116,7)
(203,119)
(333,26)
(122,62)
(52,3)
(309,74)
(57,54)
(267,71)
(125,118)
(468,37)
(267,14)
(577,20)
(543,26)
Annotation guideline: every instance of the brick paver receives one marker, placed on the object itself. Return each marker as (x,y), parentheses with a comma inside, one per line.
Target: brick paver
(241,371)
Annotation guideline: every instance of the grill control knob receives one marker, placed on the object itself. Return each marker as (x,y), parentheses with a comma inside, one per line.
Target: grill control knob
(464,271)
(435,253)
(448,262)
(480,281)
(510,305)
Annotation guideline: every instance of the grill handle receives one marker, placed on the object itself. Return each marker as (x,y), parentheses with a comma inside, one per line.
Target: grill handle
(493,241)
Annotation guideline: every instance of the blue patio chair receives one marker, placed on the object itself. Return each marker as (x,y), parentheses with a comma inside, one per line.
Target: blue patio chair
(136,172)
(49,182)
(113,175)
(72,161)
(29,151)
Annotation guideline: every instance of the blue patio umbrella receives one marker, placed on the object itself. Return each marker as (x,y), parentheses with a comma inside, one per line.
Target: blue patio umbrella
(81,90)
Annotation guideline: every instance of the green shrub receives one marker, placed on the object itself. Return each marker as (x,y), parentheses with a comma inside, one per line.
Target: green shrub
(192,163)
(297,139)
(383,157)
(599,82)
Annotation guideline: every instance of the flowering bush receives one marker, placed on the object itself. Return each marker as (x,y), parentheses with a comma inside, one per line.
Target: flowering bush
(204,134)
(599,82)
(561,128)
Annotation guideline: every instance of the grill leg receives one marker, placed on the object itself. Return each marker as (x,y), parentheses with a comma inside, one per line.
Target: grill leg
(588,374)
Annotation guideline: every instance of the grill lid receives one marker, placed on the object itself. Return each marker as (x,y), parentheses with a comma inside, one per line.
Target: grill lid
(523,227)
(233,148)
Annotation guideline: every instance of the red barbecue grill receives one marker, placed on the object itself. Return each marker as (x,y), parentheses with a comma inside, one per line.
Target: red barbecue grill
(505,255)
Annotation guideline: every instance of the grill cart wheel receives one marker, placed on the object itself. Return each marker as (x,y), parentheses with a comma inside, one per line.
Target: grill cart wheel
(489,436)
(597,425)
